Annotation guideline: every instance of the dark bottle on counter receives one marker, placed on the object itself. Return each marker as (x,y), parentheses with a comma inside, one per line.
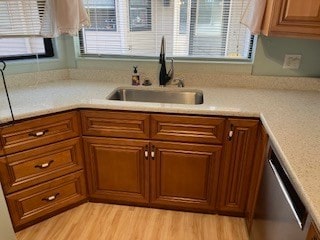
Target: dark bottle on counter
(135,77)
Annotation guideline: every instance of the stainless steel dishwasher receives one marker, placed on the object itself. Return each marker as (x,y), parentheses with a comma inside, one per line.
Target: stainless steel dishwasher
(279,213)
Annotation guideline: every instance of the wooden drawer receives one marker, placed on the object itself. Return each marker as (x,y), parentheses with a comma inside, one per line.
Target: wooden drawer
(36,202)
(115,124)
(187,128)
(39,131)
(24,169)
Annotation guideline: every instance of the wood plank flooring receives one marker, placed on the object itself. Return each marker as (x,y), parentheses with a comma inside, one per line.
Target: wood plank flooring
(95,221)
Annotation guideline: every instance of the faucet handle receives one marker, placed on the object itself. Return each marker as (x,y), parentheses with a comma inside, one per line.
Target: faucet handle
(171,71)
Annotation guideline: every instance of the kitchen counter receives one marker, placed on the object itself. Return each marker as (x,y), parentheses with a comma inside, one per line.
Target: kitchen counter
(291,118)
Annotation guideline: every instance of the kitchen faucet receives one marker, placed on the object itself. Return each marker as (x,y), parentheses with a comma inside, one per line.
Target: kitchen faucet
(164,77)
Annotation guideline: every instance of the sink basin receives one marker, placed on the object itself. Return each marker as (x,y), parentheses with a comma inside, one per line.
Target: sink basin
(161,95)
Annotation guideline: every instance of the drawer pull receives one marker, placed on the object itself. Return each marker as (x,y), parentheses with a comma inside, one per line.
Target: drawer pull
(38,134)
(44,165)
(50,198)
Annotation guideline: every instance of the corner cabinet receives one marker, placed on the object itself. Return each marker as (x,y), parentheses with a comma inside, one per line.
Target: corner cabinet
(236,168)
(292,18)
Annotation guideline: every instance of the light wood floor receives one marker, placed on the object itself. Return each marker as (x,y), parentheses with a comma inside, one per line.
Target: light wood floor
(94,221)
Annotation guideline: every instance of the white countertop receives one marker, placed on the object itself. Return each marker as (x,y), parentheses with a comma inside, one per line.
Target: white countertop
(291,118)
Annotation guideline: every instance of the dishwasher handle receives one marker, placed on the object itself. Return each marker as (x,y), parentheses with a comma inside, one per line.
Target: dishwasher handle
(286,193)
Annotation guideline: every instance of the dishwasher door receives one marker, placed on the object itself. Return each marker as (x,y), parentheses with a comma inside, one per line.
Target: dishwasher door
(279,213)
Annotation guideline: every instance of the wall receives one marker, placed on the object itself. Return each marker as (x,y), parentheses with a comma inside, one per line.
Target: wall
(268,60)
(271,51)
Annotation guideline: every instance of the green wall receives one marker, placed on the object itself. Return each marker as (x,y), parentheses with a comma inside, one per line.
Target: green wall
(269,57)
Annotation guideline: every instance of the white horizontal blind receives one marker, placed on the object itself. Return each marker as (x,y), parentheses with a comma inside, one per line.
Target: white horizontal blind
(192,28)
(21,17)
(20,22)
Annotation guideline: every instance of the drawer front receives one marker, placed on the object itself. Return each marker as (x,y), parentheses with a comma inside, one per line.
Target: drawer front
(36,202)
(187,128)
(39,131)
(34,166)
(115,124)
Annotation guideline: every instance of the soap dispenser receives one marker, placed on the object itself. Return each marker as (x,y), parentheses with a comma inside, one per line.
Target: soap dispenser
(135,77)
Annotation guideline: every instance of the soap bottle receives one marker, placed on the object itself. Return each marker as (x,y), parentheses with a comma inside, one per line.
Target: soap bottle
(135,77)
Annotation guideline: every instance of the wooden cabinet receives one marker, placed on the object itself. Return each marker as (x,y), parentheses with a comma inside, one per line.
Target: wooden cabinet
(117,170)
(39,131)
(260,156)
(184,175)
(236,165)
(33,203)
(27,168)
(292,18)
(181,128)
(313,233)
(172,167)
(41,169)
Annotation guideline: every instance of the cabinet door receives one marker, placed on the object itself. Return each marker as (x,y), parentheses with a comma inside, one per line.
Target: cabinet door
(236,165)
(117,170)
(296,18)
(184,176)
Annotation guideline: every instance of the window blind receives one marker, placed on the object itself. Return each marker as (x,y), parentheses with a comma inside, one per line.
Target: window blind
(21,17)
(20,23)
(192,28)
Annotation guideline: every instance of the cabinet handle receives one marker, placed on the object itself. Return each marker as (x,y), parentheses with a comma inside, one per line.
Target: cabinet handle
(38,134)
(44,165)
(50,198)
(146,152)
(153,152)
(230,134)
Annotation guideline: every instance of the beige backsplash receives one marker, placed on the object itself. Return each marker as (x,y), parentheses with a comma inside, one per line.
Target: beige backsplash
(191,79)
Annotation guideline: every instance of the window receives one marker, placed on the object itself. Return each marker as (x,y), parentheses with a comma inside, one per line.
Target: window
(25,48)
(140,15)
(206,29)
(102,15)
(183,21)
(20,22)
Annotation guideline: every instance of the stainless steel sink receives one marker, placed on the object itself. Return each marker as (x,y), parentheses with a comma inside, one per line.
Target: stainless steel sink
(161,95)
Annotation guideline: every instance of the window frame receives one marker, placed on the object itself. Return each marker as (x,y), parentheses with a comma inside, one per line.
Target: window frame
(248,58)
(49,52)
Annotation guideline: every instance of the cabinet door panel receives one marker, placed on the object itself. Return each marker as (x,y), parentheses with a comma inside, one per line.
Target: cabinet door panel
(115,124)
(292,18)
(27,168)
(40,201)
(117,170)
(183,128)
(184,176)
(236,166)
(40,131)
(301,10)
